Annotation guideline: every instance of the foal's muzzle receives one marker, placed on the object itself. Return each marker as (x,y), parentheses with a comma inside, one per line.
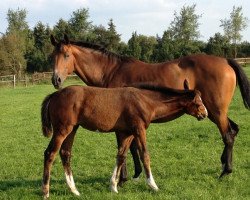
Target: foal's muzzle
(202,116)
(56,81)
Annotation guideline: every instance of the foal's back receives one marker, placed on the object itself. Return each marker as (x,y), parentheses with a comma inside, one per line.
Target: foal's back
(102,109)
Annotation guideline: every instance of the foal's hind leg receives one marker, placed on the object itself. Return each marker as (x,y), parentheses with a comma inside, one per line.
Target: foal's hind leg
(124,141)
(49,157)
(137,164)
(140,138)
(65,153)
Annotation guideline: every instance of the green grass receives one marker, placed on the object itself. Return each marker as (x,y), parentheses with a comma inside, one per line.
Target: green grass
(185,156)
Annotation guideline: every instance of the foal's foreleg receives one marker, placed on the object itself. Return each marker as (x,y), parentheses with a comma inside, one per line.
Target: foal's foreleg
(65,153)
(49,157)
(140,138)
(124,141)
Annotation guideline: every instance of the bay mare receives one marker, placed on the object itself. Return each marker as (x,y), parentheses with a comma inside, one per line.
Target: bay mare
(214,77)
(128,111)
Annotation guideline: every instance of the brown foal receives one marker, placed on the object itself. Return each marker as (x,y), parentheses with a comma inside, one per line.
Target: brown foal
(127,111)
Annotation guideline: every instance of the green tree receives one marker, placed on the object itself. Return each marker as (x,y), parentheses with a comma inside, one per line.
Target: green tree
(185,31)
(165,47)
(61,28)
(234,26)
(134,48)
(113,37)
(17,42)
(244,49)
(11,57)
(39,58)
(147,45)
(79,24)
(218,45)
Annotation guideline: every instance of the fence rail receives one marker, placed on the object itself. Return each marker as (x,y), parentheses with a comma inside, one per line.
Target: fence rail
(243,61)
(33,79)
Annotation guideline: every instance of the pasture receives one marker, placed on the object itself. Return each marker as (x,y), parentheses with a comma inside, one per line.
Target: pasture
(185,155)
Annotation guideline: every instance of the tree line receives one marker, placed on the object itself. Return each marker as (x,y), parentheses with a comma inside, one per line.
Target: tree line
(26,50)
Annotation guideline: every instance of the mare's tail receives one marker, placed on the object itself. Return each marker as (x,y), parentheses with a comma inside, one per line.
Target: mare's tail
(45,117)
(242,81)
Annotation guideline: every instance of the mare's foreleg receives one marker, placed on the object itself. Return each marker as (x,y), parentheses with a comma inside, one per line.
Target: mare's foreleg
(140,138)
(65,153)
(137,164)
(136,159)
(49,157)
(124,142)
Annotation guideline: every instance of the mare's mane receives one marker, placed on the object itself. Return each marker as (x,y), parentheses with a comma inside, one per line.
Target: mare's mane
(100,49)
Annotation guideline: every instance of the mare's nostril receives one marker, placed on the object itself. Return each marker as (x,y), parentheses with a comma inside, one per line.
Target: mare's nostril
(58,80)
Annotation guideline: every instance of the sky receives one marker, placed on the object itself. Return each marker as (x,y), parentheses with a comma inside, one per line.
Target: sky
(146,17)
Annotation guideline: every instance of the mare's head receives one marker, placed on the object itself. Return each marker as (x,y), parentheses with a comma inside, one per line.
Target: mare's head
(196,108)
(63,61)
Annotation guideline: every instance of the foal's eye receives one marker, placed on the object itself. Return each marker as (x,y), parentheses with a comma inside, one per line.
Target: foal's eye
(66,55)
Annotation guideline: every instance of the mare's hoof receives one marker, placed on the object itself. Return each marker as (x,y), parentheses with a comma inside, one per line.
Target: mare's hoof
(225,172)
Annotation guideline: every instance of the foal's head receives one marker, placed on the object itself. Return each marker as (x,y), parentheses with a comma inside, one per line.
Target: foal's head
(63,61)
(196,107)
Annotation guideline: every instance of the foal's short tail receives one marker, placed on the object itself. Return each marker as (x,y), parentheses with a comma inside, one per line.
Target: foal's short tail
(242,81)
(45,117)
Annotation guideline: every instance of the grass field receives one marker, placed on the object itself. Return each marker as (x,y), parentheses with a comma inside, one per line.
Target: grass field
(185,156)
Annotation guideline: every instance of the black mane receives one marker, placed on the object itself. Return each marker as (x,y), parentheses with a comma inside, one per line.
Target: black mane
(100,49)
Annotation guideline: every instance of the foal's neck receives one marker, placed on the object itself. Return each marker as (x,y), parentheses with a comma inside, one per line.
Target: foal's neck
(170,108)
(93,67)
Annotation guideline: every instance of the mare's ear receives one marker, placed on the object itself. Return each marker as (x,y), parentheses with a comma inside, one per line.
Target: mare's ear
(53,40)
(186,85)
(66,39)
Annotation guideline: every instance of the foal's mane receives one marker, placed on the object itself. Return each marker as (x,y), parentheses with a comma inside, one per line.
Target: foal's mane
(163,89)
(101,49)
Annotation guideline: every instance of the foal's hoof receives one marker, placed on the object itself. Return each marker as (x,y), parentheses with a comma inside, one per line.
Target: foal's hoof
(46,196)
(75,191)
(122,181)
(151,183)
(113,188)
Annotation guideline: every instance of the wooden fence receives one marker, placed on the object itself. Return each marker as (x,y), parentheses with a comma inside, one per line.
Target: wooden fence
(27,79)
(243,61)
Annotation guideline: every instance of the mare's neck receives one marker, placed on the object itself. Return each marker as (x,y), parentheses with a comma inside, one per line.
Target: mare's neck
(93,67)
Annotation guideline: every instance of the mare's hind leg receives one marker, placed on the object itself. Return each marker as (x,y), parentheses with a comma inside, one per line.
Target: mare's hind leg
(228,130)
(65,153)
(124,141)
(49,157)
(140,138)
(228,139)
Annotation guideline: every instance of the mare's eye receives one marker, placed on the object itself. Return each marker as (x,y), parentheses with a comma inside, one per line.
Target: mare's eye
(66,55)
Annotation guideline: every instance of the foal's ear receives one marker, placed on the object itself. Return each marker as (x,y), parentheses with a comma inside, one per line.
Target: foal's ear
(53,40)
(66,39)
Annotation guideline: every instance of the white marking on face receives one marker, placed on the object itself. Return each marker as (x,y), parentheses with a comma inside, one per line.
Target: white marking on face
(204,106)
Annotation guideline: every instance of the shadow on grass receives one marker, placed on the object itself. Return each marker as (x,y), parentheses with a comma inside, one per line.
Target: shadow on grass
(35,185)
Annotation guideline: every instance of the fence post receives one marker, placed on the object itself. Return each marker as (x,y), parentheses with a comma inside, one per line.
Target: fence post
(14,81)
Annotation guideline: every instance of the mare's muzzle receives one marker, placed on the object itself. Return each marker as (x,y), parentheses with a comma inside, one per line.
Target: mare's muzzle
(57,81)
